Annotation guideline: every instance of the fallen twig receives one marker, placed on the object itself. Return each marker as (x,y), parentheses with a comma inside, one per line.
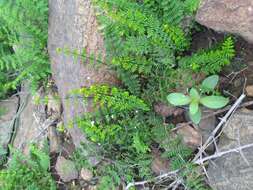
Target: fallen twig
(223,121)
(166,175)
(219,154)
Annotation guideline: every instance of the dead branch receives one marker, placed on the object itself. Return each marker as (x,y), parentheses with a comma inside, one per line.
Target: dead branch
(171,174)
(219,154)
(223,121)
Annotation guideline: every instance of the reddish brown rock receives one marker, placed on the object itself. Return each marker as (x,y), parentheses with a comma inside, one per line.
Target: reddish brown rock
(191,137)
(166,110)
(249,90)
(159,165)
(232,16)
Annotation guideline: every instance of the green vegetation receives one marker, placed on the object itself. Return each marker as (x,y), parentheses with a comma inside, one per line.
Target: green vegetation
(23,56)
(23,41)
(146,43)
(28,173)
(195,98)
(212,61)
(119,126)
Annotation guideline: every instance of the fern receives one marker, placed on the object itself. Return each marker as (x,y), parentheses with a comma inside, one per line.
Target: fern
(113,98)
(24,32)
(172,11)
(191,6)
(193,179)
(131,81)
(24,172)
(211,61)
(137,41)
(108,121)
(118,125)
(177,36)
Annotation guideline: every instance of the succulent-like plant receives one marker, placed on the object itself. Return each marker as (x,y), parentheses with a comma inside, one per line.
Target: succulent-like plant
(195,98)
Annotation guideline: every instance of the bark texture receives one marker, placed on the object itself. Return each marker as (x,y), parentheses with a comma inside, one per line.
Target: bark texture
(72,24)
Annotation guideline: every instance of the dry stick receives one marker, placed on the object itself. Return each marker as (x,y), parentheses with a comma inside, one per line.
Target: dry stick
(199,162)
(219,154)
(223,121)
(149,181)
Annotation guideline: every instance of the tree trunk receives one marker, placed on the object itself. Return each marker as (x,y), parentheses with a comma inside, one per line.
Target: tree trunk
(72,24)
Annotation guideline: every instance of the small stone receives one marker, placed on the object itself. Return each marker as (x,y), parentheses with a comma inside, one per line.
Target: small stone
(66,169)
(191,137)
(166,110)
(249,90)
(86,174)
(159,165)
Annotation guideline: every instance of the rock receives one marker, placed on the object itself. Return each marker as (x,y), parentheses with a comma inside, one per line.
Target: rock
(232,171)
(54,140)
(166,110)
(73,24)
(191,137)
(66,169)
(86,174)
(8,110)
(232,16)
(159,165)
(249,90)
(206,127)
(31,123)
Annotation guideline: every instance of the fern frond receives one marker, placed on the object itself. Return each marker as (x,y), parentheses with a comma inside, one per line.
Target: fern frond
(24,32)
(131,81)
(211,61)
(113,98)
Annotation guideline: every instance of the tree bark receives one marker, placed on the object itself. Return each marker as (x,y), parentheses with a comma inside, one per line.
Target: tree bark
(72,24)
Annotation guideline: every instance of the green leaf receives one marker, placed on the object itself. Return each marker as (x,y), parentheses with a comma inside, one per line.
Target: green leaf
(139,145)
(214,102)
(178,99)
(210,82)
(42,157)
(194,94)
(194,107)
(196,117)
